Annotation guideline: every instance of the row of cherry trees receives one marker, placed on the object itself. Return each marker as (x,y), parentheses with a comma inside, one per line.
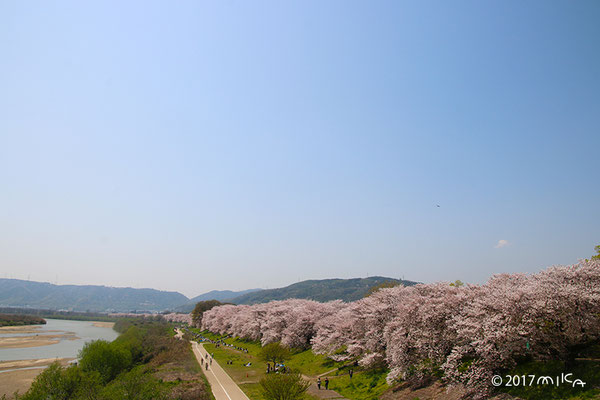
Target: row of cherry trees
(171,317)
(469,332)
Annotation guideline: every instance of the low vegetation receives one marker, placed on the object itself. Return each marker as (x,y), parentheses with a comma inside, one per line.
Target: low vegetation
(19,319)
(143,363)
(364,385)
(275,353)
(283,386)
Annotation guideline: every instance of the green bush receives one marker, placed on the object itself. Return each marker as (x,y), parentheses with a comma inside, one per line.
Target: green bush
(275,353)
(59,383)
(136,384)
(108,359)
(283,386)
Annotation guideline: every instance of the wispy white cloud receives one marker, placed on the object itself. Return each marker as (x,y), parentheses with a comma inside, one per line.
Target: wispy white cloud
(501,243)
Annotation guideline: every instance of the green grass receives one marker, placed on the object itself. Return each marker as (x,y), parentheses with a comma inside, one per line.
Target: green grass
(306,361)
(238,372)
(253,392)
(364,385)
(311,364)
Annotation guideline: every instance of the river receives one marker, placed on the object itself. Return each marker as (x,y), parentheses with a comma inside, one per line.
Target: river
(85,331)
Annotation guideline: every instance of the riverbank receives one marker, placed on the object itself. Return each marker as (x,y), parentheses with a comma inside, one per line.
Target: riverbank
(18,375)
(20,320)
(25,351)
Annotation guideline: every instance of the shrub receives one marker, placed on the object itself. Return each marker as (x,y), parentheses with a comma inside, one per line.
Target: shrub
(283,386)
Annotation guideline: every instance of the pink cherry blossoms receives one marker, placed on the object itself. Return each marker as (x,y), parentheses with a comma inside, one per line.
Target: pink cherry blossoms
(469,332)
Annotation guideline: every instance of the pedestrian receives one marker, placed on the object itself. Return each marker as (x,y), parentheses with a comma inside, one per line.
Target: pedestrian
(351,372)
(319,383)
(326,383)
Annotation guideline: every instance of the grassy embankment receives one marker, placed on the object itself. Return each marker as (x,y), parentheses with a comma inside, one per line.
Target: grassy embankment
(365,385)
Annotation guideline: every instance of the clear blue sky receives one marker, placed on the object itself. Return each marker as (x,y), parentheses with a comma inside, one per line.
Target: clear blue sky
(195,145)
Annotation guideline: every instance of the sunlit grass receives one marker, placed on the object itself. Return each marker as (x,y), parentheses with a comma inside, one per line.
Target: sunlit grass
(364,385)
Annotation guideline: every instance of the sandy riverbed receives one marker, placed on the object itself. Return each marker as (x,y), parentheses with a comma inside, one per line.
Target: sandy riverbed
(21,380)
(27,370)
(100,324)
(18,342)
(20,329)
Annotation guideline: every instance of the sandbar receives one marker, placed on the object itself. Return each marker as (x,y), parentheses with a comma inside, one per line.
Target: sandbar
(20,329)
(16,342)
(101,324)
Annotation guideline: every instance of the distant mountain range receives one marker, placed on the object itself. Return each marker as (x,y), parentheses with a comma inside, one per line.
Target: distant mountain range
(319,290)
(29,294)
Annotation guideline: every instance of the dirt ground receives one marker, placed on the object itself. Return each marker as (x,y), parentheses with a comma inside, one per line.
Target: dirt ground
(21,380)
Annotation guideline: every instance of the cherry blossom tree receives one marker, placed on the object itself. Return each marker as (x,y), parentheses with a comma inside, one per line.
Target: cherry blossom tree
(470,332)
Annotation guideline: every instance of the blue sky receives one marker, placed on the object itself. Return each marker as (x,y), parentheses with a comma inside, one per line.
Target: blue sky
(194,146)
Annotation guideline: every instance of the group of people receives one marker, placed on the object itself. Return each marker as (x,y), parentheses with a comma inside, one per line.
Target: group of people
(218,343)
(326,383)
(277,368)
(222,342)
(208,360)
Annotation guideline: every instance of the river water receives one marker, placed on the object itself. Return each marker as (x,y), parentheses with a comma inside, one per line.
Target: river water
(84,330)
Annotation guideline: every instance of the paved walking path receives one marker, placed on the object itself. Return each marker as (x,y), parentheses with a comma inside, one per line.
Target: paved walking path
(322,393)
(223,387)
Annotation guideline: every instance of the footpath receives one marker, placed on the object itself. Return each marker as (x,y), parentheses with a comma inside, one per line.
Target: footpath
(223,387)
(322,393)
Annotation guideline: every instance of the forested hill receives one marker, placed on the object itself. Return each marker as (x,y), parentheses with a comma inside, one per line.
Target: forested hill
(220,295)
(320,290)
(19,293)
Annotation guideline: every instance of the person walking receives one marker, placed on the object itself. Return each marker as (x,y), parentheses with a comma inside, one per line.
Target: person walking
(351,372)
(319,383)
(326,383)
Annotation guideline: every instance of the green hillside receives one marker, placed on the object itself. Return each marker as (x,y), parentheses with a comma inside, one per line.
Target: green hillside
(219,295)
(319,290)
